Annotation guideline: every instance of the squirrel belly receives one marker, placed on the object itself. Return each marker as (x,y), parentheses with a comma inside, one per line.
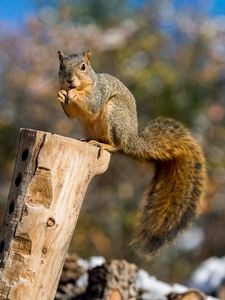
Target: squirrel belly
(107,112)
(171,200)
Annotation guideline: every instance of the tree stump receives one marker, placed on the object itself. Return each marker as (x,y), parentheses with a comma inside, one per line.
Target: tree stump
(50,179)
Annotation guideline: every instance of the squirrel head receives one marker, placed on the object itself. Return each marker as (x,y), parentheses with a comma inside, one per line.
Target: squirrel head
(75,71)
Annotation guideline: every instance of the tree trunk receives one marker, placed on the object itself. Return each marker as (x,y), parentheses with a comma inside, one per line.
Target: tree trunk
(50,179)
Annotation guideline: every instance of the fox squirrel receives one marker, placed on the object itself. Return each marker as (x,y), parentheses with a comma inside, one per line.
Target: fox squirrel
(107,112)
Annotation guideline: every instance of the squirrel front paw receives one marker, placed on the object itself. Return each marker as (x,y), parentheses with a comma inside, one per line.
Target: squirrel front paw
(62,96)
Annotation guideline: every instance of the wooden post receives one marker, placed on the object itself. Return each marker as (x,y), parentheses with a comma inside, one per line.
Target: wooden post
(50,179)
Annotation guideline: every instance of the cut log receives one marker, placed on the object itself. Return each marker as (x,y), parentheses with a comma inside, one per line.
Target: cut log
(50,179)
(115,280)
(191,294)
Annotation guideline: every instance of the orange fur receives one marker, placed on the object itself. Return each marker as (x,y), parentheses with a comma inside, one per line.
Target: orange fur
(107,112)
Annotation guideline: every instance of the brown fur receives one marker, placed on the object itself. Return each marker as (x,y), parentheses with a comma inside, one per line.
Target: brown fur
(175,190)
(107,112)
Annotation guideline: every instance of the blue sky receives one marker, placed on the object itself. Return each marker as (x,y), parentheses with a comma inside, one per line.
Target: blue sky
(16,11)
(218,7)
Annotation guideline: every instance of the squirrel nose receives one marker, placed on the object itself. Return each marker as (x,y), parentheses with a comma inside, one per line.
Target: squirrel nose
(70,81)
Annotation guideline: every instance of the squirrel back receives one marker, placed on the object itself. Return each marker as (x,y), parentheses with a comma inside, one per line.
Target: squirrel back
(107,112)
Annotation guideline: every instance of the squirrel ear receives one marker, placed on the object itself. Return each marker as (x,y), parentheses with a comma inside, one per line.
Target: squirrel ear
(61,56)
(88,54)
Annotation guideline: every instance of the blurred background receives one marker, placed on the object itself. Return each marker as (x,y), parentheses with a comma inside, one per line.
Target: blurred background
(171,55)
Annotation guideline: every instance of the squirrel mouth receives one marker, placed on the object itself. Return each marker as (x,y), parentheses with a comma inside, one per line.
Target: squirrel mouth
(71,83)
(72,86)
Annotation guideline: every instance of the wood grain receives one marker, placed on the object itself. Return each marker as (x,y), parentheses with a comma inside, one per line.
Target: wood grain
(50,179)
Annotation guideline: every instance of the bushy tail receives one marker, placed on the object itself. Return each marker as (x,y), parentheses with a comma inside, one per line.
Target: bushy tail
(171,200)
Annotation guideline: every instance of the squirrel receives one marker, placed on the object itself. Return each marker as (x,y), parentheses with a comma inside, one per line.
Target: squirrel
(107,112)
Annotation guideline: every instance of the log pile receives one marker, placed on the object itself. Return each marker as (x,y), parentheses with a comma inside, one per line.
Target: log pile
(115,280)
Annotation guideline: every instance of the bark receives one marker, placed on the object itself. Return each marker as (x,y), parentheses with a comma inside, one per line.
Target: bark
(115,280)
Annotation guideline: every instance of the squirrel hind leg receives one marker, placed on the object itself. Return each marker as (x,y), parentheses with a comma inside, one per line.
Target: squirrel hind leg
(102,147)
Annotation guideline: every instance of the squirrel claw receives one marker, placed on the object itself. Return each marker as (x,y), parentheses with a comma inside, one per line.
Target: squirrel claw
(62,96)
(102,147)
(99,145)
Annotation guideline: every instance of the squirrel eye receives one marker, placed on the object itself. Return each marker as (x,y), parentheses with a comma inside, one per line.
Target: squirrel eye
(83,67)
